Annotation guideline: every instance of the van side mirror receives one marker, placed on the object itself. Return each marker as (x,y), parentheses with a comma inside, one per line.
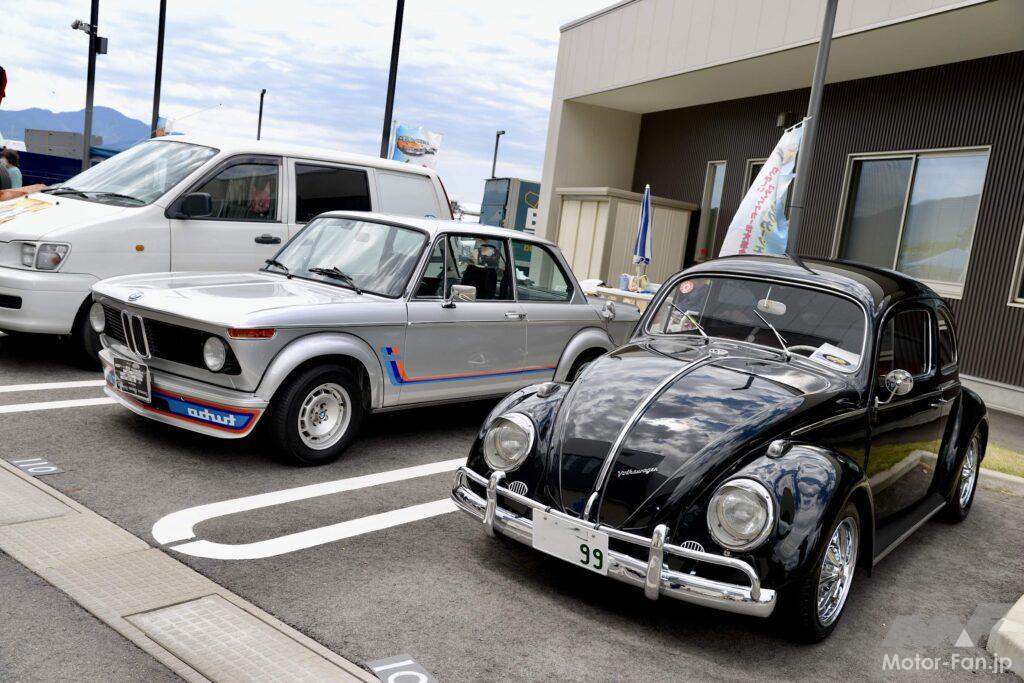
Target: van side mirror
(897,383)
(196,205)
(460,293)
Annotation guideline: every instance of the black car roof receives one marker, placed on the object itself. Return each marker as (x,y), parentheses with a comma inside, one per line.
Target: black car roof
(876,288)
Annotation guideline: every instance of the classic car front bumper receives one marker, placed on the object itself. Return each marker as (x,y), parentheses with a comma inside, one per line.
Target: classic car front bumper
(653,576)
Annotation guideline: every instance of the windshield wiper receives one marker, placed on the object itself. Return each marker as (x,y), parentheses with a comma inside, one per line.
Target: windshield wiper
(117,195)
(278,264)
(63,190)
(337,275)
(693,321)
(782,342)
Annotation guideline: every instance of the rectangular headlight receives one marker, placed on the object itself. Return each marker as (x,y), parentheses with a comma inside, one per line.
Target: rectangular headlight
(50,256)
(28,255)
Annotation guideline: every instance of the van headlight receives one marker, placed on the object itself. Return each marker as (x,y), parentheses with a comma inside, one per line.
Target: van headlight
(741,514)
(509,440)
(44,255)
(215,353)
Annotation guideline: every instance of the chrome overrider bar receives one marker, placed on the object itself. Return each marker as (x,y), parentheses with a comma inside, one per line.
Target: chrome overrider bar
(653,576)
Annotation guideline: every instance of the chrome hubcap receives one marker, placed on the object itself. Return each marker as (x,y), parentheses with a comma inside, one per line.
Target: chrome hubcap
(968,474)
(837,569)
(324,416)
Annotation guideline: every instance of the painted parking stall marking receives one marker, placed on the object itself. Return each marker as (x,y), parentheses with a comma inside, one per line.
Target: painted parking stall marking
(50,386)
(400,669)
(55,405)
(179,526)
(37,467)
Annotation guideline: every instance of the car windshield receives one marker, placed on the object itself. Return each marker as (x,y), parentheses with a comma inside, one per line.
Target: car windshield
(139,175)
(373,257)
(825,327)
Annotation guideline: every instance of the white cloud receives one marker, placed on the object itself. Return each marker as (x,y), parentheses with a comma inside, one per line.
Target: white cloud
(467,68)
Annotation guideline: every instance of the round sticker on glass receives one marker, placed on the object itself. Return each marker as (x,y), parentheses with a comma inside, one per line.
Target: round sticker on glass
(686,287)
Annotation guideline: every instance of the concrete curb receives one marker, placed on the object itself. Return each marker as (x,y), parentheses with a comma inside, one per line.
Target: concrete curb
(1006,639)
(195,627)
(1000,481)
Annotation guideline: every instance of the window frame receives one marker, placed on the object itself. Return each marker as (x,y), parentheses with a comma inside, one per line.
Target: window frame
(447,250)
(1017,281)
(702,228)
(942,313)
(174,207)
(931,344)
(748,177)
(294,183)
(944,290)
(571,292)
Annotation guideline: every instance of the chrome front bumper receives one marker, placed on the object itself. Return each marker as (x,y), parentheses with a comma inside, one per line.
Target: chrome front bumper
(653,576)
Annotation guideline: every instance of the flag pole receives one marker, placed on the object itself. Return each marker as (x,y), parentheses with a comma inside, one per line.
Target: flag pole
(806,153)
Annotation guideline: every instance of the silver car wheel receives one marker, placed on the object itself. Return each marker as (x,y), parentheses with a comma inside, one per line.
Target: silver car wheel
(324,416)
(836,574)
(969,474)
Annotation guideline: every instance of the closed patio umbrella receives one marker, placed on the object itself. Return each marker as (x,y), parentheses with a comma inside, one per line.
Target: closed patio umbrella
(642,246)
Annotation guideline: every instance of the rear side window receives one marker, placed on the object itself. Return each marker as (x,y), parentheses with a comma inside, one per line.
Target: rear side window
(329,188)
(406,194)
(905,344)
(538,275)
(947,341)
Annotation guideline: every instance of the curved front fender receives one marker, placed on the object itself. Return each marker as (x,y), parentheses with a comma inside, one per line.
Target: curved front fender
(319,345)
(811,486)
(588,338)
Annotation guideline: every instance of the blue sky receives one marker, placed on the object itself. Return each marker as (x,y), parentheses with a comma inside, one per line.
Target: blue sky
(467,69)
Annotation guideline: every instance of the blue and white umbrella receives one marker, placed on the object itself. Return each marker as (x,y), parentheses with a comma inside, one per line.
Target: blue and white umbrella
(642,247)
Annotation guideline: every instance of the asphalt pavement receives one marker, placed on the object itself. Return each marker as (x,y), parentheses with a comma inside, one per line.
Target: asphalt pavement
(467,607)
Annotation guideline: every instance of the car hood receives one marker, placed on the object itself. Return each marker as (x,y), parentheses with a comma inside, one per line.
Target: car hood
(229,299)
(43,216)
(682,414)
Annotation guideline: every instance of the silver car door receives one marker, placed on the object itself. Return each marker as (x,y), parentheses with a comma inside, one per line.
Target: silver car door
(462,349)
(546,293)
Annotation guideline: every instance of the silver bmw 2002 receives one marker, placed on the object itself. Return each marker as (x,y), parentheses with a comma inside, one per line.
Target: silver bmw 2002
(357,313)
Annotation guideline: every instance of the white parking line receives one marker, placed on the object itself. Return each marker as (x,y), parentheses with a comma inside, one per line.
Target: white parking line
(178,526)
(53,405)
(42,386)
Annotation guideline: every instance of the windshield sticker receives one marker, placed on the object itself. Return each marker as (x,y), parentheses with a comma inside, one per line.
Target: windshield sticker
(15,207)
(836,357)
(686,287)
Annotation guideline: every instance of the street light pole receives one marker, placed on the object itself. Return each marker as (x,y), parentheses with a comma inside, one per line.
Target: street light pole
(90,85)
(494,162)
(259,124)
(806,152)
(159,66)
(389,104)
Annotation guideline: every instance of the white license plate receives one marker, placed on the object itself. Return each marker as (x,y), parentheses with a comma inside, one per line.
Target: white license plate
(570,541)
(132,378)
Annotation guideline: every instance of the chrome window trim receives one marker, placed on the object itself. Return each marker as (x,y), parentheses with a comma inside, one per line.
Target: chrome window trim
(946,290)
(645,321)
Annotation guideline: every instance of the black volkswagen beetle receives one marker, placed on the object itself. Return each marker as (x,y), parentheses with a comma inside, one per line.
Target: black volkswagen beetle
(770,426)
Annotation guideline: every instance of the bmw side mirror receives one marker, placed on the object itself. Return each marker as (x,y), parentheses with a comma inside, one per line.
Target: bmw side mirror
(608,311)
(897,383)
(460,293)
(196,205)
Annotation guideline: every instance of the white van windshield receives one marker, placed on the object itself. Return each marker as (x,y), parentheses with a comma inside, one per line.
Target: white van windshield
(139,175)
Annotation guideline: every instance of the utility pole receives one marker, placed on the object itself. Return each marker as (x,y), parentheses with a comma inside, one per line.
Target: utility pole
(389,105)
(259,124)
(494,162)
(96,44)
(159,66)
(806,152)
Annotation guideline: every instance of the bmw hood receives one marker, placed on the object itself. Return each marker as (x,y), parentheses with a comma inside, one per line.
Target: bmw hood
(660,420)
(43,216)
(231,299)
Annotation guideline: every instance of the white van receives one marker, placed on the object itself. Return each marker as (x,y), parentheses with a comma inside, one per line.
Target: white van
(181,203)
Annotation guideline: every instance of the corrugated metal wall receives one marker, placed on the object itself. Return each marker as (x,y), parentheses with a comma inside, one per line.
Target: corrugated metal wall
(980,102)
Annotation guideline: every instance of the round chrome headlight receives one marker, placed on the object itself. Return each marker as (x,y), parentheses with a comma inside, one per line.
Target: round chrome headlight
(215,353)
(508,441)
(97,318)
(741,514)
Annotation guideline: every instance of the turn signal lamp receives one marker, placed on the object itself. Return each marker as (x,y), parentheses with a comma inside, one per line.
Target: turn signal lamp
(251,332)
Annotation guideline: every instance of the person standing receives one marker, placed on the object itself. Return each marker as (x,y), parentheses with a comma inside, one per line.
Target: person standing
(10,162)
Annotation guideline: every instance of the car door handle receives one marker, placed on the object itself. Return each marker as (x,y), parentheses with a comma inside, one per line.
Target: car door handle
(267,239)
(515,315)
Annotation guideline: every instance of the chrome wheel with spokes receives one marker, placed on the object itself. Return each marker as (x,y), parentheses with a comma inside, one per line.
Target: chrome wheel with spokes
(968,474)
(324,416)
(837,568)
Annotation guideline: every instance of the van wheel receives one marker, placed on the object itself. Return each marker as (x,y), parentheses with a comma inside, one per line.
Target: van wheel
(86,340)
(315,415)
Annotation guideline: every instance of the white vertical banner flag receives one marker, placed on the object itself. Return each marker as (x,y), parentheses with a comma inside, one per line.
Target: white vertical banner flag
(760,225)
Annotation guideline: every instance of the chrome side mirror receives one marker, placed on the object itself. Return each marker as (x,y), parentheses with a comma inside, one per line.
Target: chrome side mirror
(608,311)
(460,293)
(897,383)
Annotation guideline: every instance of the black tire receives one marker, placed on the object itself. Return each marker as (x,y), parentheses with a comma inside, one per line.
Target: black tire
(799,604)
(282,423)
(87,340)
(581,363)
(958,507)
